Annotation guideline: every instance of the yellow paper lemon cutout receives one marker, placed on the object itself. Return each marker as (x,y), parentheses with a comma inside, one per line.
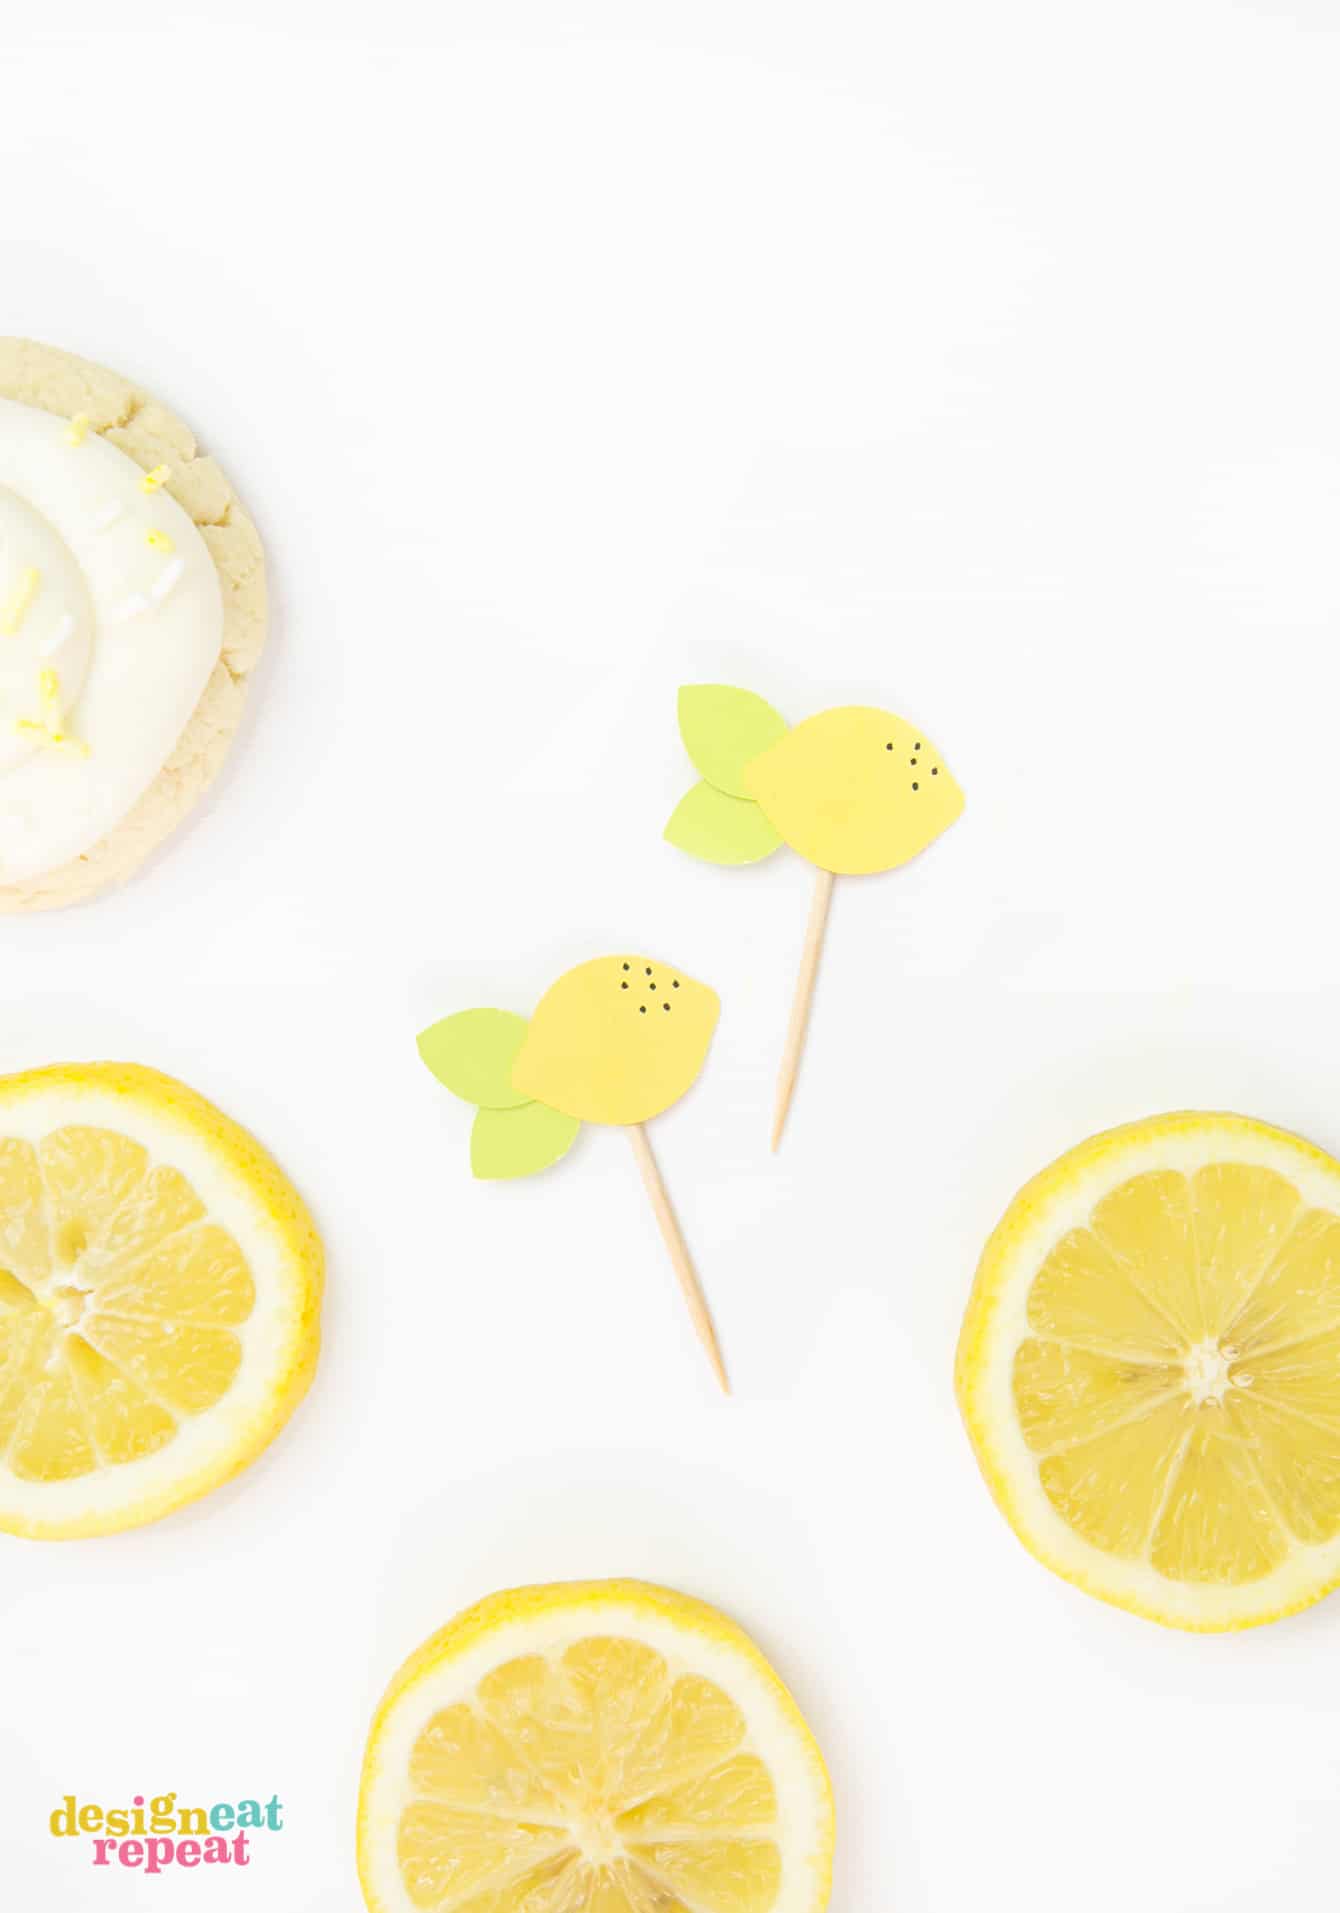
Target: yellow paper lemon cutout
(855,790)
(616,1040)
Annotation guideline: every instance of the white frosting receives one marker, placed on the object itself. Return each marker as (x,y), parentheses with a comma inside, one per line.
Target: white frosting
(130,624)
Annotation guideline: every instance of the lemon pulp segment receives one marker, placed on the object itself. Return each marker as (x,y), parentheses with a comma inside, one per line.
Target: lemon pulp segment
(599,1761)
(119,1304)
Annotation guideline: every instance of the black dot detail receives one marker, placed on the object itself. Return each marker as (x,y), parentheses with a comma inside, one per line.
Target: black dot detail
(665,1006)
(675,984)
(916,787)
(642,1009)
(651,986)
(623,986)
(648,970)
(917,745)
(628,966)
(888,747)
(934,771)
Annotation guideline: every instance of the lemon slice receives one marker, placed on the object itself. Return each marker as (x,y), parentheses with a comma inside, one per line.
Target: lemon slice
(1149,1369)
(603,1747)
(160,1282)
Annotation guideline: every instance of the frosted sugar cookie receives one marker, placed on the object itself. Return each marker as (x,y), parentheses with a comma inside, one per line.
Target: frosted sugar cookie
(132,612)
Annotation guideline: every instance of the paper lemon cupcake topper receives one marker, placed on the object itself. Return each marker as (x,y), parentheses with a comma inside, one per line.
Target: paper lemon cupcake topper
(614,1041)
(854,790)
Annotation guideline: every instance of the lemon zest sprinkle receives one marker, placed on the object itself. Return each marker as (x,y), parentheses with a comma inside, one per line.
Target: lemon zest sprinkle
(77,430)
(11,618)
(155,480)
(50,727)
(159,541)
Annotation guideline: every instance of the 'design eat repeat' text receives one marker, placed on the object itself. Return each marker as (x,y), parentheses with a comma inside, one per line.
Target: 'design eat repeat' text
(161,1834)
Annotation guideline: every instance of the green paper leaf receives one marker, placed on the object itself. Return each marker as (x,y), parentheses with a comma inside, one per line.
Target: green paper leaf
(473,1052)
(517,1142)
(721,829)
(723,729)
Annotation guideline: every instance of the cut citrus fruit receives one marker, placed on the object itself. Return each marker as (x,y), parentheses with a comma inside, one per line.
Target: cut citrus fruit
(160,1283)
(1149,1369)
(604,1747)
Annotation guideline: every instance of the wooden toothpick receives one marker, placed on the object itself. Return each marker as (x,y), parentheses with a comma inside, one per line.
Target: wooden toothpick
(800,1007)
(679,1252)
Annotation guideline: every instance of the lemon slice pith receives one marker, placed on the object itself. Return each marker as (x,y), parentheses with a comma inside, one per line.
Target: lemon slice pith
(602,1747)
(1149,1369)
(160,1283)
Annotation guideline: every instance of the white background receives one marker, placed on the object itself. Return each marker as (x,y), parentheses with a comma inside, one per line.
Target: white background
(975,359)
